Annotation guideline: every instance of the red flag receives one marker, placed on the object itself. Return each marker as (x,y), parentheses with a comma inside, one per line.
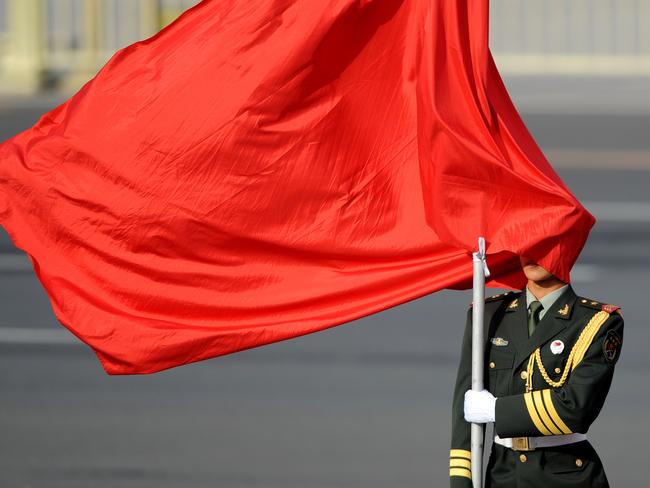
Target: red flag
(266,169)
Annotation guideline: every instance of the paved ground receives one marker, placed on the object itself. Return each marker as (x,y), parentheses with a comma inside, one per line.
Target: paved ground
(361,405)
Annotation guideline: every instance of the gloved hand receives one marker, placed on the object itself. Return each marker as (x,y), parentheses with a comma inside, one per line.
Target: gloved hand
(479,406)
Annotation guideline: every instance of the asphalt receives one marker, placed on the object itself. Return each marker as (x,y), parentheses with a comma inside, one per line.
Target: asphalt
(365,404)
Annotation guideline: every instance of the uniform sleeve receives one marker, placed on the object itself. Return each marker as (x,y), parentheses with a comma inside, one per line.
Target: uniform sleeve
(460,456)
(573,406)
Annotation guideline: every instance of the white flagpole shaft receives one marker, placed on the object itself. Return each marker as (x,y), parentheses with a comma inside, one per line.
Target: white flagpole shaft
(478,300)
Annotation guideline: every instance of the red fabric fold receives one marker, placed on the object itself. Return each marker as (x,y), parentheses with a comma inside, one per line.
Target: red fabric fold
(266,169)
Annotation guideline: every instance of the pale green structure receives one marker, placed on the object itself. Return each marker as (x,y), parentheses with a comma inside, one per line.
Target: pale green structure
(62,43)
(571,37)
(22,53)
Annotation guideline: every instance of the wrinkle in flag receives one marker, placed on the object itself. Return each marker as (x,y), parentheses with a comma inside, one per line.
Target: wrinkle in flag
(262,170)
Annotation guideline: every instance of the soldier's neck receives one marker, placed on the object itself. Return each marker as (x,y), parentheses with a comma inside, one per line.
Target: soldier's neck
(542,288)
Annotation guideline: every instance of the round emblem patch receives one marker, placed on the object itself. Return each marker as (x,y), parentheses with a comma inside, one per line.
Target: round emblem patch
(611,346)
(557,347)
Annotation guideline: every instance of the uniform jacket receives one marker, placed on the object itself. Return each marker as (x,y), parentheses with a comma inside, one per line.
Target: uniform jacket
(577,342)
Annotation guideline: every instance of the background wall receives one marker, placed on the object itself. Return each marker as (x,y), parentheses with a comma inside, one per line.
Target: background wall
(62,43)
(571,36)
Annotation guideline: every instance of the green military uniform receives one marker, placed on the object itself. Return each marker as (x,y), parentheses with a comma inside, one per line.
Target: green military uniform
(553,383)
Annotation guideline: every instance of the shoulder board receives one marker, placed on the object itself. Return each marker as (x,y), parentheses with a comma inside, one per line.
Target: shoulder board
(589,303)
(499,296)
(596,305)
(494,298)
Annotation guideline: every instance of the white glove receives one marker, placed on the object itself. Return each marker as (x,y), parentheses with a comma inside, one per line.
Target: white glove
(479,406)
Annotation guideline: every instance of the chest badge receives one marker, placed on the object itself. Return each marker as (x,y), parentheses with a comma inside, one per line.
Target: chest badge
(499,341)
(557,347)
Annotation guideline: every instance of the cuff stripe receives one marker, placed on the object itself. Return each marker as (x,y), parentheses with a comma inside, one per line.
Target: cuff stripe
(528,398)
(460,472)
(462,453)
(548,401)
(460,463)
(546,420)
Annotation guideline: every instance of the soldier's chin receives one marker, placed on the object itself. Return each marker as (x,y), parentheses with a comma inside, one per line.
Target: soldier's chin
(536,273)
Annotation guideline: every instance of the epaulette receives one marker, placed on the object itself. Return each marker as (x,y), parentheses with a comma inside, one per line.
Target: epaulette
(499,296)
(587,302)
(595,304)
(494,298)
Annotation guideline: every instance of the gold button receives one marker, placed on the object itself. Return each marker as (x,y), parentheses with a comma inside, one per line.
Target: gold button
(523,458)
(492,365)
(558,370)
(579,462)
(524,375)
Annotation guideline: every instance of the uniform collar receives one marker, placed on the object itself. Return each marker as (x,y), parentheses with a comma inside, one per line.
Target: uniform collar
(547,300)
(561,305)
(555,320)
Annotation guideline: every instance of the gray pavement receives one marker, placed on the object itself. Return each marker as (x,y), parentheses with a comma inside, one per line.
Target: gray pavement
(365,404)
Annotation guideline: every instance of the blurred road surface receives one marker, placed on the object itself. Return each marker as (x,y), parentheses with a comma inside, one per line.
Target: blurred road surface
(365,404)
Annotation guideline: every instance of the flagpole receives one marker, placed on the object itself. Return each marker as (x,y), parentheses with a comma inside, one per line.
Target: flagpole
(480,272)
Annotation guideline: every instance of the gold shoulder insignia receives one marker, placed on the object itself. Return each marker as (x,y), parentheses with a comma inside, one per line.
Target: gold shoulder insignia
(595,304)
(498,296)
(588,302)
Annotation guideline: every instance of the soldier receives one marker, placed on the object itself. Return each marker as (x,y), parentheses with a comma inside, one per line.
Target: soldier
(550,358)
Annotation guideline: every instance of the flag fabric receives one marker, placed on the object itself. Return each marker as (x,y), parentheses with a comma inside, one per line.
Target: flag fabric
(266,169)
